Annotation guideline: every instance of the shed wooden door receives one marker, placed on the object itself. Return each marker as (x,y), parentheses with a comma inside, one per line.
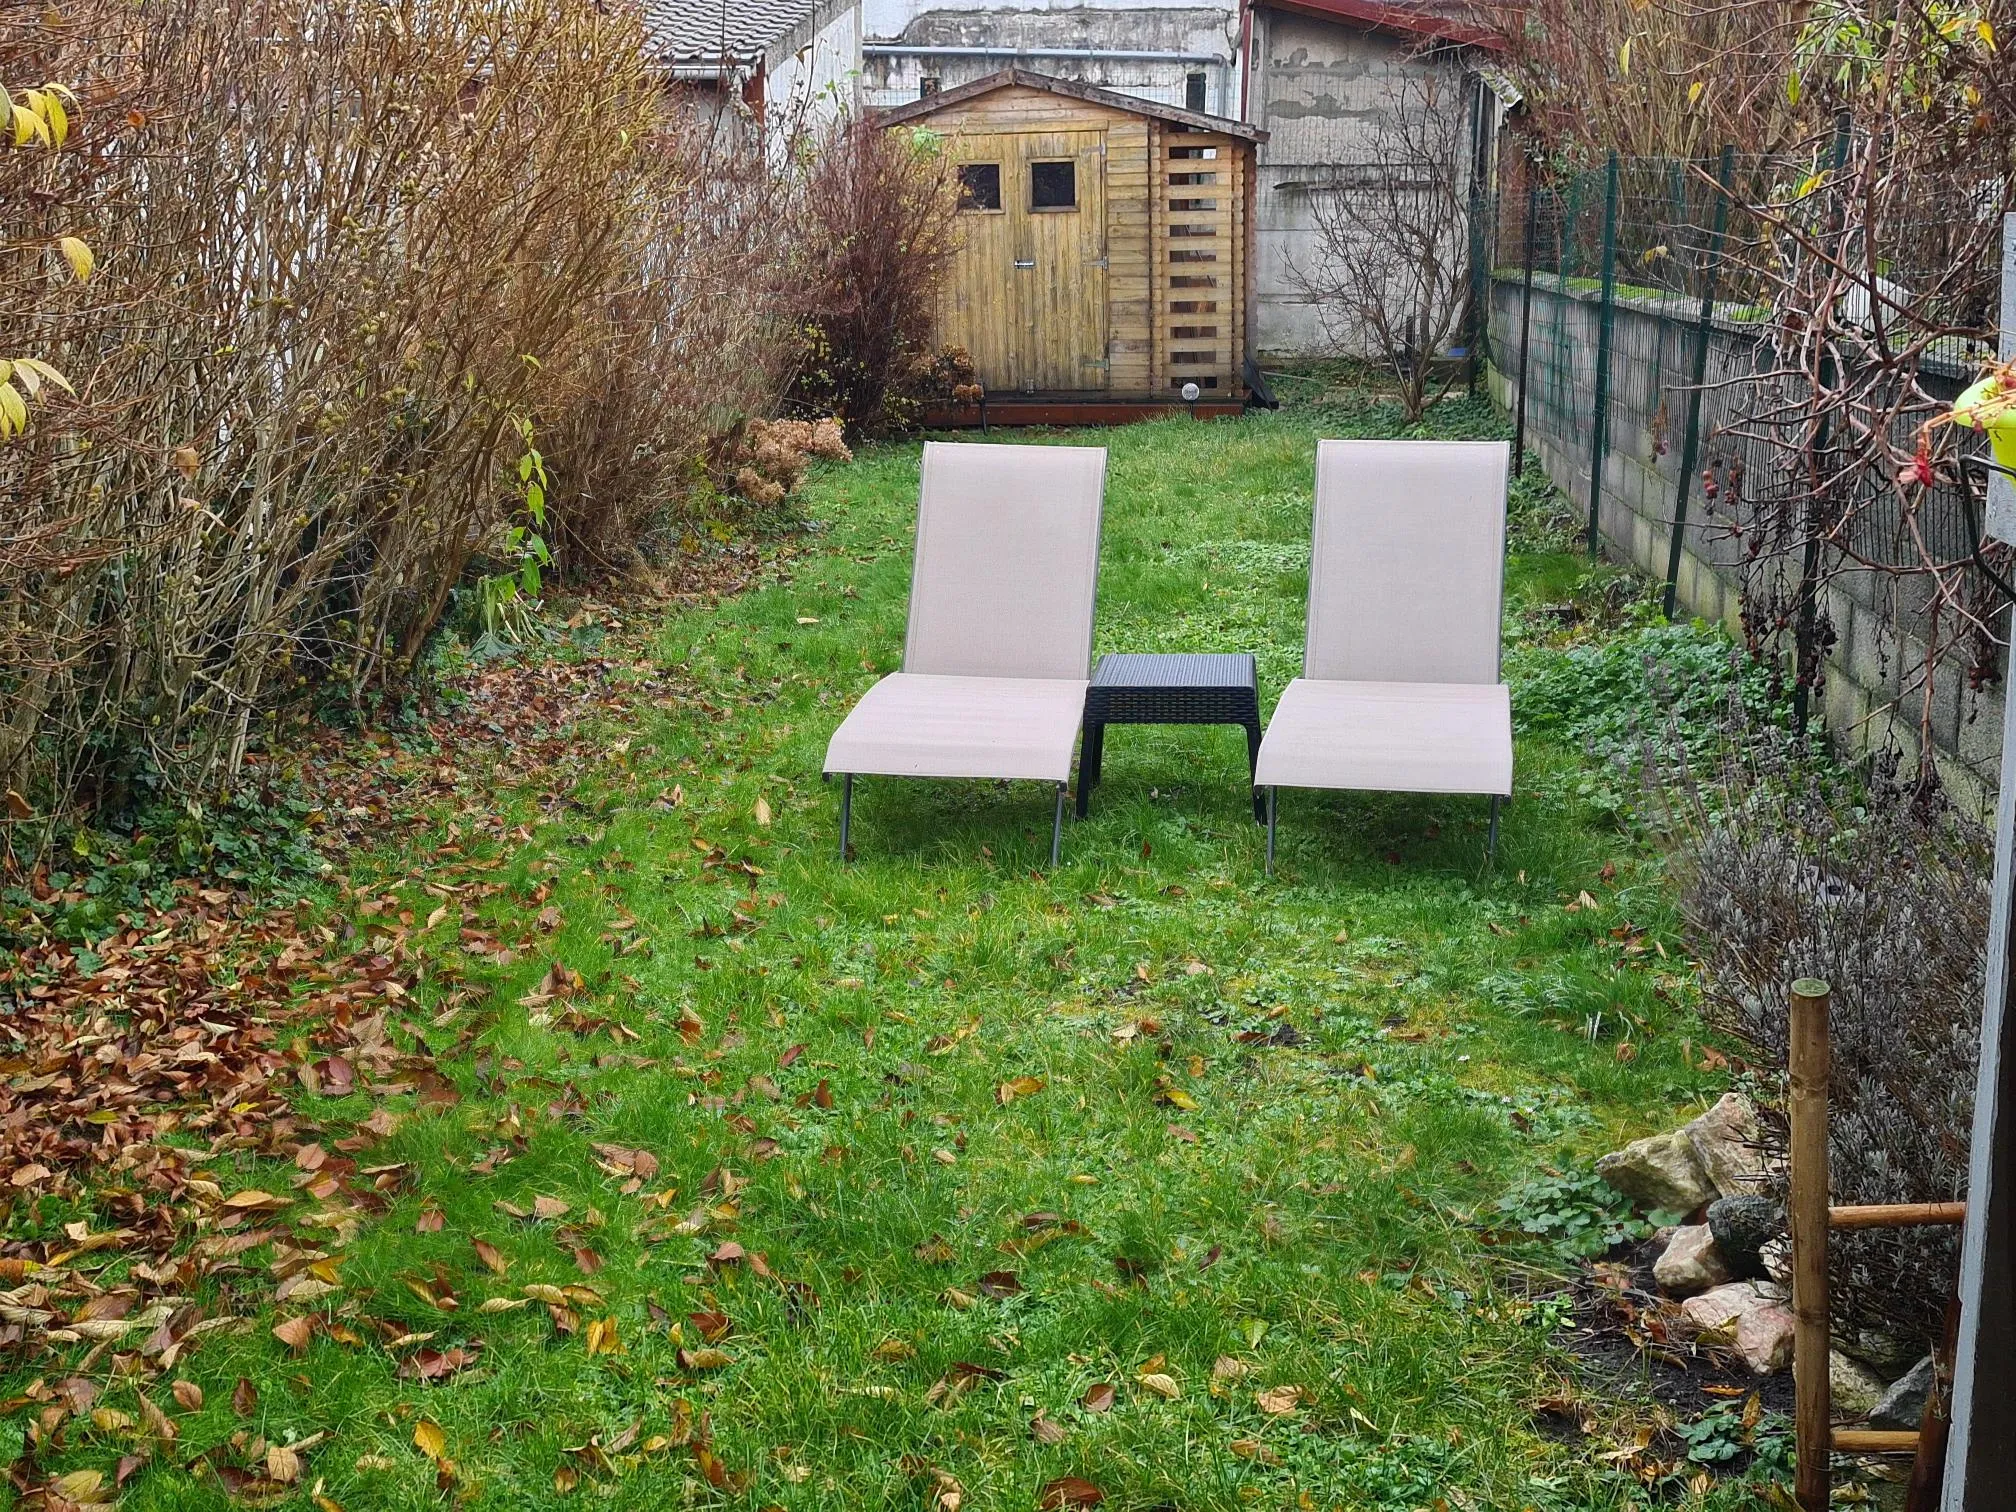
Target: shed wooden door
(1027,295)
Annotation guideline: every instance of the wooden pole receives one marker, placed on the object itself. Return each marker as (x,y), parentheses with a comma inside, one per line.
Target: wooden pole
(1807,1201)
(1928,1466)
(1896,1215)
(1875,1441)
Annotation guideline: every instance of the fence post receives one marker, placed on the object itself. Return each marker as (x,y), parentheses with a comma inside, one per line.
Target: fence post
(1704,329)
(1526,327)
(1480,275)
(1806,1194)
(1606,321)
(1564,269)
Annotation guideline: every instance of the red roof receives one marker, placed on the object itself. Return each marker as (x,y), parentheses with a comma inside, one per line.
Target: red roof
(1442,22)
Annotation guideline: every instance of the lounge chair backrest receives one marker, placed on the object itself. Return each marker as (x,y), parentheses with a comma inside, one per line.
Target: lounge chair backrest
(1007,567)
(1407,562)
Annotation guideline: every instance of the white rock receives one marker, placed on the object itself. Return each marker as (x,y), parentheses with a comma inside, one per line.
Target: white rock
(1764,1338)
(1690,1262)
(1853,1386)
(1662,1171)
(1777,1259)
(1712,1156)
(1714,1313)
(1726,1139)
(1750,1315)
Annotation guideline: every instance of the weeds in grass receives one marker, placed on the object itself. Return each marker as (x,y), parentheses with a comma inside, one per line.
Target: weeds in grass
(1576,1217)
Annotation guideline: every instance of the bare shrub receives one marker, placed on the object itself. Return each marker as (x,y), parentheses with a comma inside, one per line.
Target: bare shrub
(353,262)
(695,337)
(1788,872)
(880,230)
(1391,271)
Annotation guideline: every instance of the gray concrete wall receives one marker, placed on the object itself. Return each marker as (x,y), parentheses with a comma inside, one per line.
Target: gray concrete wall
(1875,689)
(1321,90)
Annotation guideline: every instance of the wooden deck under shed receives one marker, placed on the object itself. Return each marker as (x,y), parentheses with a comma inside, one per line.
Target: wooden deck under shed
(1108,241)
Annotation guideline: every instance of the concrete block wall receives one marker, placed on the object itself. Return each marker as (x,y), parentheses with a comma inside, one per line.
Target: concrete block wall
(1873,696)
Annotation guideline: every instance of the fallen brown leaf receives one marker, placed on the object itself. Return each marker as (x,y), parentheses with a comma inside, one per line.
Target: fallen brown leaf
(1278,1401)
(602,1338)
(1161,1383)
(1018,1086)
(491,1256)
(713,1326)
(429,1439)
(1069,1491)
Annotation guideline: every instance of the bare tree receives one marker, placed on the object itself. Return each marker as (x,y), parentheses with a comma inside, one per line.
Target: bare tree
(1655,78)
(1391,274)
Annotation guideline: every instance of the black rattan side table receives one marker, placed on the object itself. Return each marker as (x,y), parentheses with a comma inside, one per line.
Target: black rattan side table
(1181,689)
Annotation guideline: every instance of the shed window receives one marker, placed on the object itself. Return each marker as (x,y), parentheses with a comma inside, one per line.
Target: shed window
(979,186)
(1053,186)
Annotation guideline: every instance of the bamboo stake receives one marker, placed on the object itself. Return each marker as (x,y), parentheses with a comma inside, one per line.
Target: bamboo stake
(1875,1441)
(1807,1201)
(1896,1215)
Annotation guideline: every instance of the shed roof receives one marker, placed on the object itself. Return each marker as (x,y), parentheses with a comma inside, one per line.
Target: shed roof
(1436,20)
(1008,77)
(706,31)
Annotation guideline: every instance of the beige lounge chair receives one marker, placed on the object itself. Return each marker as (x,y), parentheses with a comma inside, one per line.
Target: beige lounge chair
(1399,691)
(999,649)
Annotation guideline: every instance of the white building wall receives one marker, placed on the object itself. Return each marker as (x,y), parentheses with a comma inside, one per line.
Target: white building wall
(1146,48)
(814,74)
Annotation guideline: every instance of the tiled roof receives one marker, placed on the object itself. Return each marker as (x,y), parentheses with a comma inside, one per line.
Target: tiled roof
(1444,20)
(706,30)
(1029,79)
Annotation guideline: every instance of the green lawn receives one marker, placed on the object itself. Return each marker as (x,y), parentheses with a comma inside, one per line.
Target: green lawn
(964,1175)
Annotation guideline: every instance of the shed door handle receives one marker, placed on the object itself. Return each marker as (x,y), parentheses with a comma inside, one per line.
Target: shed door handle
(1025,262)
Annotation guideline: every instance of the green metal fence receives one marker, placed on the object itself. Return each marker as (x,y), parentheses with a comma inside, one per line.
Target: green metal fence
(1633,311)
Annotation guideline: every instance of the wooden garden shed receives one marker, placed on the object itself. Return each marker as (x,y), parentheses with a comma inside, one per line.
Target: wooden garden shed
(1107,251)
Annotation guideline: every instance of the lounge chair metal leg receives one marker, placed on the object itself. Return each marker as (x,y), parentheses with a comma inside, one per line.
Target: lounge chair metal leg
(1491,840)
(1057,829)
(1271,792)
(846,809)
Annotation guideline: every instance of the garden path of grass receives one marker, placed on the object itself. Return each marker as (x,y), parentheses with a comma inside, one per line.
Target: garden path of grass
(991,1141)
